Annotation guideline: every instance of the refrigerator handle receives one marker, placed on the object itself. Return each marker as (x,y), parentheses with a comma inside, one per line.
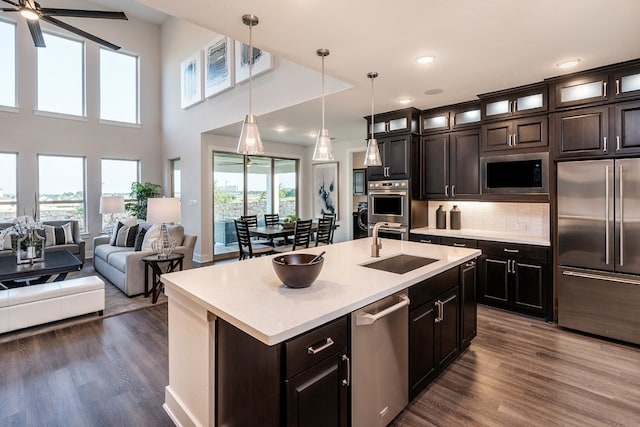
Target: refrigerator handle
(621,218)
(606,215)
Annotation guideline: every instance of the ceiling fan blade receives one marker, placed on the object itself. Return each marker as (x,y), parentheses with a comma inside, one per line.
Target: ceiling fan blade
(36,33)
(11,3)
(5,9)
(79,32)
(76,13)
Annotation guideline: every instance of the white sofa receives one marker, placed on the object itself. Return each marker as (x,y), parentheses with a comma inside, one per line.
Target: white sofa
(33,305)
(123,266)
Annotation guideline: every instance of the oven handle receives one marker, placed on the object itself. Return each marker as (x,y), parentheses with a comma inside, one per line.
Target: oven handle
(388,193)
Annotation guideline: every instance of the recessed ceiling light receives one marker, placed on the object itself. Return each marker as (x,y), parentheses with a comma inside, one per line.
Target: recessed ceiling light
(434,91)
(568,63)
(405,100)
(425,59)
(280,129)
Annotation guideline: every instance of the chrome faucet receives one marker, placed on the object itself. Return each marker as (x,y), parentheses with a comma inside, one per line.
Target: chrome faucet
(376,245)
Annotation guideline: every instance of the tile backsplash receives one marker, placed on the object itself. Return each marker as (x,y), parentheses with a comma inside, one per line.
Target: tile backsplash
(519,218)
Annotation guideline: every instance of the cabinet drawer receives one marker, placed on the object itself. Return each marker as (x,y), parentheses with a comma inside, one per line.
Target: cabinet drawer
(431,288)
(459,242)
(513,250)
(425,238)
(315,346)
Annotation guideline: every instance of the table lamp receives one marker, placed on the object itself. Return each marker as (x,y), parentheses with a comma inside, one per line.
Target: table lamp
(111,205)
(163,210)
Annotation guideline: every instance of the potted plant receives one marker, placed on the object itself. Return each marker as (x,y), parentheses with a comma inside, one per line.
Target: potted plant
(141,192)
(290,221)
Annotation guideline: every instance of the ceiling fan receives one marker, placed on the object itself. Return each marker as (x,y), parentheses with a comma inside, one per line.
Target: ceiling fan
(32,11)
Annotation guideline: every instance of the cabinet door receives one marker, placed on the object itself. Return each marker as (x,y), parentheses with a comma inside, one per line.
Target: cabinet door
(497,136)
(434,166)
(468,326)
(530,132)
(627,83)
(448,328)
(317,396)
(582,132)
(359,182)
(422,361)
(464,176)
(495,279)
(627,131)
(582,90)
(377,173)
(528,289)
(434,122)
(397,157)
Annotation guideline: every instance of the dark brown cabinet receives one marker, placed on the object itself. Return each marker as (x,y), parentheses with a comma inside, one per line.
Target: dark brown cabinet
(450,165)
(453,117)
(468,310)
(395,153)
(434,321)
(517,134)
(524,100)
(516,277)
(394,123)
(301,382)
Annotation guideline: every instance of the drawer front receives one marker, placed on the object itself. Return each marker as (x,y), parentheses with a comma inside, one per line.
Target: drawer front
(513,250)
(315,346)
(425,238)
(429,289)
(458,242)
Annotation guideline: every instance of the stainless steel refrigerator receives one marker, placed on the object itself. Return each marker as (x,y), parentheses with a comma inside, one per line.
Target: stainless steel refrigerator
(599,247)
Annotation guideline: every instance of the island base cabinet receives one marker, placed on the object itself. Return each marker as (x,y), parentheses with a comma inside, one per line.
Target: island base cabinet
(468,308)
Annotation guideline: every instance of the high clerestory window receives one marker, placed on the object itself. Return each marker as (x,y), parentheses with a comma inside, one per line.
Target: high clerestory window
(119,87)
(8,61)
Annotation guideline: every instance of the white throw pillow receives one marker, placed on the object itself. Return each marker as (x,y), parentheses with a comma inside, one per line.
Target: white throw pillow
(68,233)
(175,231)
(129,222)
(49,235)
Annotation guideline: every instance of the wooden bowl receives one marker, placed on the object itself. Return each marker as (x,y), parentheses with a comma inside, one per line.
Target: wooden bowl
(295,271)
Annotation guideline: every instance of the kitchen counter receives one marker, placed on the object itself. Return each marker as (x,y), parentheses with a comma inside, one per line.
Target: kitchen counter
(497,236)
(249,296)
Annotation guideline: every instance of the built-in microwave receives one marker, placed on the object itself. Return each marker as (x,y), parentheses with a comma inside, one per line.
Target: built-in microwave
(515,174)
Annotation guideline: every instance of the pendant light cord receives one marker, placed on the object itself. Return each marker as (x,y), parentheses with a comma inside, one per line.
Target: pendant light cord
(371,129)
(250,66)
(323,92)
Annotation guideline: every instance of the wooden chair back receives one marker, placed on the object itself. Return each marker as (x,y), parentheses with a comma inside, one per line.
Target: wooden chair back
(252,220)
(325,227)
(333,217)
(271,219)
(302,234)
(244,239)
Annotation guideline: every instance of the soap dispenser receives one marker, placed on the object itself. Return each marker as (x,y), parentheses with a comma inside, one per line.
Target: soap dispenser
(441,218)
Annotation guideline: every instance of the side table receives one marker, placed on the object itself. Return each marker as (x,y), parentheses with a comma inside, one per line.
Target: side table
(157,266)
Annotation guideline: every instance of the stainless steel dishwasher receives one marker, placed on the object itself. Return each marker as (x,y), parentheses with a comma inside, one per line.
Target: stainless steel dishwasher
(379,350)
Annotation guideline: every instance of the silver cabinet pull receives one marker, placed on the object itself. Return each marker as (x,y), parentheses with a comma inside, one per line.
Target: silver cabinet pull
(369,319)
(347,381)
(512,251)
(509,141)
(446,190)
(453,190)
(606,215)
(617,86)
(460,245)
(470,264)
(621,218)
(604,144)
(604,89)
(618,143)
(439,306)
(600,277)
(425,241)
(508,266)
(515,139)
(328,343)
(515,105)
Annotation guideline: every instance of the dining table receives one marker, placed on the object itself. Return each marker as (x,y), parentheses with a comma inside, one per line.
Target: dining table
(276,231)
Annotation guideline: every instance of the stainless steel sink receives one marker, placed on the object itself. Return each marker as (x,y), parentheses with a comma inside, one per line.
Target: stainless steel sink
(400,264)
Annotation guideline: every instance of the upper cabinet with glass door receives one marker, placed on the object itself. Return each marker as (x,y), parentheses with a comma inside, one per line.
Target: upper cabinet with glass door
(450,118)
(597,86)
(521,101)
(394,122)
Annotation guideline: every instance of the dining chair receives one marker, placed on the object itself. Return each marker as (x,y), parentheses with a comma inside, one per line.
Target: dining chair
(325,227)
(252,222)
(301,236)
(249,249)
(332,216)
(271,219)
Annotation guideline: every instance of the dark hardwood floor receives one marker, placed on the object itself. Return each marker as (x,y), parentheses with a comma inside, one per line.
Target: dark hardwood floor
(518,372)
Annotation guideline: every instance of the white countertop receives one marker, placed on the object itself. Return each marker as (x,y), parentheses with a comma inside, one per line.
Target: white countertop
(249,295)
(498,236)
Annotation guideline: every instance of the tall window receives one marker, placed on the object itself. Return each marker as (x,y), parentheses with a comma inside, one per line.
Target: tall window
(117,177)
(61,76)
(61,186)
(118,86)
(8,187)
(176,178)
(8,61)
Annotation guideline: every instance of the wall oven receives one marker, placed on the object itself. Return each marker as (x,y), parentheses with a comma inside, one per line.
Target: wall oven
(515,174)
(389,201)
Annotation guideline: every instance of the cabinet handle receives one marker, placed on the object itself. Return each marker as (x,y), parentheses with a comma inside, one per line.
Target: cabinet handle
(439,316)
(606,215)
(512,251)
(618,143)
(515,139)
(425,241)
(509,266)
(621,217)
(509,141)
(470,264)
(511,106)
(347,381)
(604,89)
(453,190)
(515,106)
(460,245)
(441,307)
(604,143)
(513,266)
(446,190)
(617,86)
(328,343)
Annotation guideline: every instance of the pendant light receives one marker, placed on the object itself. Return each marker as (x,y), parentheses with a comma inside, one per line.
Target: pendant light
(323,151)
(372,156)
(250,141)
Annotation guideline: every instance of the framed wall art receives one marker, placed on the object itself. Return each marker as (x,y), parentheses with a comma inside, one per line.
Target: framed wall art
(325,189)
(191,80)
(262,61)
(218,66)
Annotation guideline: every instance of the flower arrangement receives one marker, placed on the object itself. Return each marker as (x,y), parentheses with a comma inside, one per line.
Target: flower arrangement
(29,244)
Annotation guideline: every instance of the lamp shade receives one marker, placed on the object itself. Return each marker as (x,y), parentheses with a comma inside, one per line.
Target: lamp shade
(323,151)
(250,141)
(163,210)
(111,204)
(372,156)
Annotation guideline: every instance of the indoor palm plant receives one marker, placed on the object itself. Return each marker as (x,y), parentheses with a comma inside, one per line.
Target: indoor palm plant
(141,192)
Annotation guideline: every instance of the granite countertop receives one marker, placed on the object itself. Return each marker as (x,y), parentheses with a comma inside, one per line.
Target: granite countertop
(249,295)
(498,236)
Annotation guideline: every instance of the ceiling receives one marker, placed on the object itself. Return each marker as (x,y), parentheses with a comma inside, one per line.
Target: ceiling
(480,46)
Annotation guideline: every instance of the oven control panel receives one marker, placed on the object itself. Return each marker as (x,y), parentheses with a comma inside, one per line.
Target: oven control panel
(398,184)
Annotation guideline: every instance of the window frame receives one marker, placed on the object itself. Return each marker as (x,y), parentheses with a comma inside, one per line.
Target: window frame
(138,120)
(172,174)
(15,202)
(14,107)
(56,114)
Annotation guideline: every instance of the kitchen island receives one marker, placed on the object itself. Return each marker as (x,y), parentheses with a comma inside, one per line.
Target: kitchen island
(248,297)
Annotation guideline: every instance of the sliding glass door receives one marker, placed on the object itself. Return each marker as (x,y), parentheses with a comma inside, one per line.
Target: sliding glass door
(249,185)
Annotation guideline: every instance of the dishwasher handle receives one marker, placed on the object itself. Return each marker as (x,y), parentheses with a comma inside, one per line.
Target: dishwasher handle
(365,318)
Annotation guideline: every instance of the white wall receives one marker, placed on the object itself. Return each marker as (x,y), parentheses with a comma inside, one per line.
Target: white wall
(30,135)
